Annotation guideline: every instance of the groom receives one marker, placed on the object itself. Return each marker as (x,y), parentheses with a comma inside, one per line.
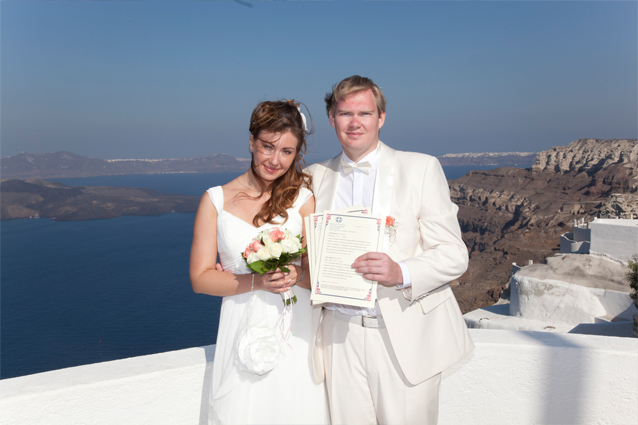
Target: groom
(383,364)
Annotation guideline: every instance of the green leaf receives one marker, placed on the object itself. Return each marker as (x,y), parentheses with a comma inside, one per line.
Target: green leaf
(258,267)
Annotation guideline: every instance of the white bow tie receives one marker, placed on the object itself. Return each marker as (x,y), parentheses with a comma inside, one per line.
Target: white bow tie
(364,167)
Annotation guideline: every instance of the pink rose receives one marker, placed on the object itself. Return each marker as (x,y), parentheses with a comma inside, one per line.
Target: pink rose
(247,252)
(389,221)
(276,235)
(254,246)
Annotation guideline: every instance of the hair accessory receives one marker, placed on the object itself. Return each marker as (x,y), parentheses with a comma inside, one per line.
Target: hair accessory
(303,119)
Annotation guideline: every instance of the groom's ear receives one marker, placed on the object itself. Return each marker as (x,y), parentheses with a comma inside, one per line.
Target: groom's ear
(331,117)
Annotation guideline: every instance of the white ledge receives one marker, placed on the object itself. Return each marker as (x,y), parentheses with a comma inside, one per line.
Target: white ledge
(511,377)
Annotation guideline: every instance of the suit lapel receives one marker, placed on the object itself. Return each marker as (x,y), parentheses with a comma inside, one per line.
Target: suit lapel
(382,202)
(382,205)
(327,191)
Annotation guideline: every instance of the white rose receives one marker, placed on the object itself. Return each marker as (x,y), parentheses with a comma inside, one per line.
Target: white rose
(275,249)
(289,245)
(266,239)
(252,257)
(263,253)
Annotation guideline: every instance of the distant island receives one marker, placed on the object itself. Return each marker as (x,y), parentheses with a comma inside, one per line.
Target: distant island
(25,193)
(64,164)
(67,164)
(38,198)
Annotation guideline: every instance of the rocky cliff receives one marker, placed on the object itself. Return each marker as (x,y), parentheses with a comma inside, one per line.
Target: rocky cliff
(588,155)
(496,159)
(515,215)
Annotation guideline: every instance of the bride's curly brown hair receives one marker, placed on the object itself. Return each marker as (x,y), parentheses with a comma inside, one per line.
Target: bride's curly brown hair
(280,117)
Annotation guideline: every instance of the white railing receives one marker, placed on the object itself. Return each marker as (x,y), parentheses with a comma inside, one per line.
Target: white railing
(511,377)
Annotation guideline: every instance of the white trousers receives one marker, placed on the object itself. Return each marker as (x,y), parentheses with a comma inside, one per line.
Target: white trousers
(365,383)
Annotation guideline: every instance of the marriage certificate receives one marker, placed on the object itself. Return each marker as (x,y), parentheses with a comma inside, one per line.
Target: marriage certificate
(314,228)
(343,237)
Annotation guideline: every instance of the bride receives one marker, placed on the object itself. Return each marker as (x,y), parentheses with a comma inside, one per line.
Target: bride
(269,382)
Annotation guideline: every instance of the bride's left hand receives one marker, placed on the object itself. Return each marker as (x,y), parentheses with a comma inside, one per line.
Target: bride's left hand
(280,281)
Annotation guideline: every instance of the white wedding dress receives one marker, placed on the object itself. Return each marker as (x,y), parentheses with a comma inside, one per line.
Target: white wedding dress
(287,394)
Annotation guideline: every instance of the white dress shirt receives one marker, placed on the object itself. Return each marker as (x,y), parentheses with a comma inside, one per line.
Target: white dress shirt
(357,188)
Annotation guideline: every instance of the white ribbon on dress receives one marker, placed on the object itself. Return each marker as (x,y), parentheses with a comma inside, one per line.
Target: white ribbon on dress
(258,344)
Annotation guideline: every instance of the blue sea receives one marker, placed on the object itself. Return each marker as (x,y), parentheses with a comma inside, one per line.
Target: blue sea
(83,292)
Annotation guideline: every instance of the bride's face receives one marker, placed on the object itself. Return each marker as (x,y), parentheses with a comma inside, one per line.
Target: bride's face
(273,153)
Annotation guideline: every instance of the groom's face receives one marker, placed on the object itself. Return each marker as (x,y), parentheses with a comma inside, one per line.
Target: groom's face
(357,122)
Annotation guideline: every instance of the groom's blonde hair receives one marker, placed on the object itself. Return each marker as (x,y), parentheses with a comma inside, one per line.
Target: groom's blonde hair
(350,85)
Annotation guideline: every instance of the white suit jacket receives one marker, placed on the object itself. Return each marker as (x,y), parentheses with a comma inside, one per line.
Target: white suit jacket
(424,322)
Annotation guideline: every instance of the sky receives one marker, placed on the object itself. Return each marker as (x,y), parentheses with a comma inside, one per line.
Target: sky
(174,79)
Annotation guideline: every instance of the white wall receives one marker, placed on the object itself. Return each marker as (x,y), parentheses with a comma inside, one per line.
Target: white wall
(555,301)
(615,238)
(543,378)
(510,378)
(569,244)
(167,388)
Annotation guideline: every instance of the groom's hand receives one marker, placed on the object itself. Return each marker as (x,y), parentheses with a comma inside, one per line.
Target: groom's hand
(380,267)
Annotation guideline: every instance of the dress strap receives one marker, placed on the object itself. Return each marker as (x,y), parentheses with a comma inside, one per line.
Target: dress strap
(216,195)
(302,198)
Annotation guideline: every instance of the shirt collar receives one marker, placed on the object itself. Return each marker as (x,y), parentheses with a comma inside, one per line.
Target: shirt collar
(372,157)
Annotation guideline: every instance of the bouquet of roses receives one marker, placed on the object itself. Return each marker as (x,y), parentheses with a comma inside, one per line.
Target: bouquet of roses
(271,250)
